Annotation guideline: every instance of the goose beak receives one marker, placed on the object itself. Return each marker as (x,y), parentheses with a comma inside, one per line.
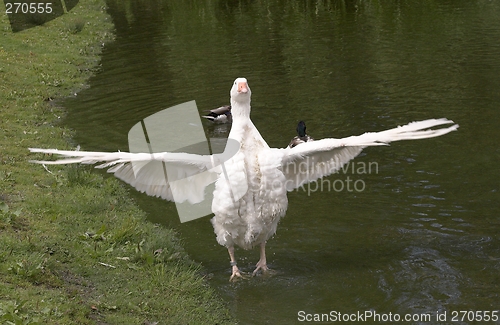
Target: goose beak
(242,87)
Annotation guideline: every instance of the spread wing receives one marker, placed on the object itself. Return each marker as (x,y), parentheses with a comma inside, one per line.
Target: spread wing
(172,176)
(310,161)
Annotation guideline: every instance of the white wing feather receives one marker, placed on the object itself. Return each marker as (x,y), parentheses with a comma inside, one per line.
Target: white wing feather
(310,161)
(158,174)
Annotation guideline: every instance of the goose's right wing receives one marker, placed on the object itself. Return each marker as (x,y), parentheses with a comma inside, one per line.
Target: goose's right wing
(175,177)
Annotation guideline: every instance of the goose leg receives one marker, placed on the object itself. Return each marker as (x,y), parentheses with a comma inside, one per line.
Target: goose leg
(236,272)
(262,264)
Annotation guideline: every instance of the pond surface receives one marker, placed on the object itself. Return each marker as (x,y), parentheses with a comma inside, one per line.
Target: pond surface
(421,236)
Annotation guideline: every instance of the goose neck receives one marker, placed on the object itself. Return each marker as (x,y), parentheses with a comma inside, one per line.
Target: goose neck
(240,110)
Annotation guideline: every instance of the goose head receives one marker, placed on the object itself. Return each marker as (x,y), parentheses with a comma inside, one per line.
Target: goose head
(240,92)
(240,100)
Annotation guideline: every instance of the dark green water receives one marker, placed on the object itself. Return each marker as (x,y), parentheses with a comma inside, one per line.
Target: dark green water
(423,235)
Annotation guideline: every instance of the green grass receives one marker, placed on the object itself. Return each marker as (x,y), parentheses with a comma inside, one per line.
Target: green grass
(75,249)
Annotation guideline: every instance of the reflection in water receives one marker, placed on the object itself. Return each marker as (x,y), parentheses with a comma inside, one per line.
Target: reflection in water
(424,282)
(423,236)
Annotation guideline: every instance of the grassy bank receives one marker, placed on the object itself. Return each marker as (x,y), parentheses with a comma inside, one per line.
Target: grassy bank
(74,248)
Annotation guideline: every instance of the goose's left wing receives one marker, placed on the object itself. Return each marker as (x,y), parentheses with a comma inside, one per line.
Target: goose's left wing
(175,177)
(310,161)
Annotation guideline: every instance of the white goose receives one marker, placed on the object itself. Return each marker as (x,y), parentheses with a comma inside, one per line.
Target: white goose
(248,218)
